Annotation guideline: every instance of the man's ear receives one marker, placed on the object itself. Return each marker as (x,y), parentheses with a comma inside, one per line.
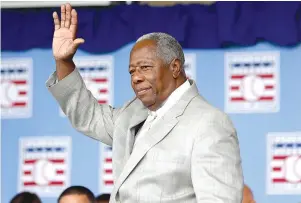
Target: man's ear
(175,67)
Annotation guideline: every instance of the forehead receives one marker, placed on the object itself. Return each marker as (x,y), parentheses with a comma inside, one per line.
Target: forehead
(144,51)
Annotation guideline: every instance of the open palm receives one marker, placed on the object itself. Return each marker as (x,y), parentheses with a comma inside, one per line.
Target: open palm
(65,43)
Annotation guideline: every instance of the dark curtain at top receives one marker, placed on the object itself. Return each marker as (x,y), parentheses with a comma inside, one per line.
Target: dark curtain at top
(219,25)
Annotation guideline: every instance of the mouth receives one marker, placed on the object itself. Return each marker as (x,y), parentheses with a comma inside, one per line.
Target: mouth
(142,91)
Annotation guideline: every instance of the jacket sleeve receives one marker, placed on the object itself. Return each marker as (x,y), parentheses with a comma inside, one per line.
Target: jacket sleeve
(82,109)
(216,164)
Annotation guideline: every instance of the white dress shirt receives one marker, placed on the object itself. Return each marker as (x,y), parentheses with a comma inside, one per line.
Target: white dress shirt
(154,116)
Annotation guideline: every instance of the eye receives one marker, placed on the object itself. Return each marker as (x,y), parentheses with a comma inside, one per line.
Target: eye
(145,67)
(131,71)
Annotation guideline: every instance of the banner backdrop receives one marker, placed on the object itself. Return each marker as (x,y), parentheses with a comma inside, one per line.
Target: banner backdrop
(259,87)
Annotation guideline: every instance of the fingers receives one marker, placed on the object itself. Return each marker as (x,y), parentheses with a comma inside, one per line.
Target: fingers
(78,42)
(73,26)
(56,21)
(68,18)
(68,15)
(63,15)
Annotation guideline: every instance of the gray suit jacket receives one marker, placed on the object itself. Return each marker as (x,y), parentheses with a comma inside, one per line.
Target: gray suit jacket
(190,155)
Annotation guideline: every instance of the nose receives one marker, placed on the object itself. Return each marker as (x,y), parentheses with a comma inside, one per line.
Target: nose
(137,77)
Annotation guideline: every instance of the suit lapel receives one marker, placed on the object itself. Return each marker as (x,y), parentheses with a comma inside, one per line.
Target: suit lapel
(155,135)
(136,121)
(158,131)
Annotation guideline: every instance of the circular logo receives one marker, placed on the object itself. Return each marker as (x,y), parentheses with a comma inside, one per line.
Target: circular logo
(44,172)
(8,94)
(293,169)
(252,87)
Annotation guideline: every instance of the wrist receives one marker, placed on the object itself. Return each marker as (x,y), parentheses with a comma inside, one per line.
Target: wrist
(64,68)
(64,61)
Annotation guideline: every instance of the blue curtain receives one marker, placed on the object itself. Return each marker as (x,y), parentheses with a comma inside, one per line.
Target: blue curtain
(219,25)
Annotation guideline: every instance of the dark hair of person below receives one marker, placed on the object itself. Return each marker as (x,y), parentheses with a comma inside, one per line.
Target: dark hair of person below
(103,197)
(78,190)
(25,197)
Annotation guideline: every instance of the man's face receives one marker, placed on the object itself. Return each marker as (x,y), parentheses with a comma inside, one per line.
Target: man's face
(150,77)
(74,198)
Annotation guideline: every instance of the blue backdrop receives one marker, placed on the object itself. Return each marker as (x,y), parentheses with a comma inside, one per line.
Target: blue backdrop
(252,127)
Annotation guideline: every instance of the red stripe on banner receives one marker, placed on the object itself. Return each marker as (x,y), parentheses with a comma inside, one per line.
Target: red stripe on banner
(60,171)
(266,98)
(103,91)
(266,75)
(102,101)
(27,172)
(19,82)
(108,171)
(56,183)
(277,169)
(234,87)
(237,99)
(109,182)
(29,184)
(237,76)
(30,161)
(269,87)
(57,160)
(100,80)
(279,180)
(19,104)
(108,160)
(22,93)
(279,157)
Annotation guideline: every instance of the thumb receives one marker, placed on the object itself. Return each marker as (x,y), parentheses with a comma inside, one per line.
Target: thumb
(78,42)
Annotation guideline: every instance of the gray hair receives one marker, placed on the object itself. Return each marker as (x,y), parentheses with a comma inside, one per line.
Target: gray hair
(168,48)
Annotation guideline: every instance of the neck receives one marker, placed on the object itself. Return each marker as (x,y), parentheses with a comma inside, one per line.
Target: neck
(180,81)
(158,104)
(154,107)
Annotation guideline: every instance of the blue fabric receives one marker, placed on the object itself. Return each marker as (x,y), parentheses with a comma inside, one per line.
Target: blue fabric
(196,26)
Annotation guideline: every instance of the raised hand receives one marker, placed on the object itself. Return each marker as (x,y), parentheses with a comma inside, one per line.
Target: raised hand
(65,43)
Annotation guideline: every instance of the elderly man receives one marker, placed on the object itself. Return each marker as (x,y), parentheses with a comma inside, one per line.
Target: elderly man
(169,144)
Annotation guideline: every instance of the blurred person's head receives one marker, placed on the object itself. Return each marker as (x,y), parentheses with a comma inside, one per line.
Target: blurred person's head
(76,194)
(103,198)
(248,195)
(25,197)
(156,68)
